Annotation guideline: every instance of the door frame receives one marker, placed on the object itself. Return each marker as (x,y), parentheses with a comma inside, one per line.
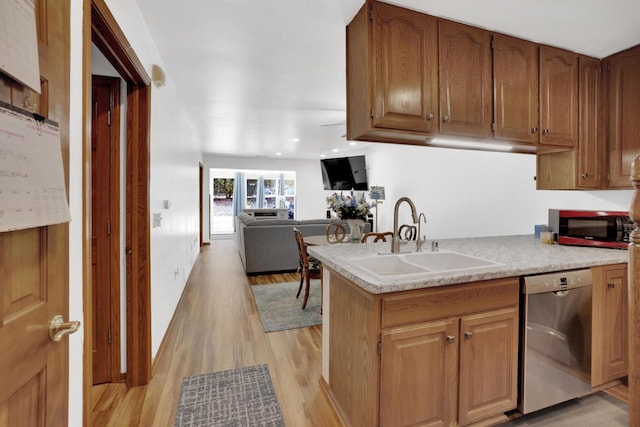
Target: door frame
(101,28)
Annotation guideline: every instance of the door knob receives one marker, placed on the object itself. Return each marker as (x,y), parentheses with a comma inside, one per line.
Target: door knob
(59,328)
(451,338)
(446,119)
(430,116)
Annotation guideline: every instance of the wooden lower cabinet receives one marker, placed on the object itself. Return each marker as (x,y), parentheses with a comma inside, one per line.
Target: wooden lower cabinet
(609,345)
(461,369)
(442,356)
(418,372)
(488,364)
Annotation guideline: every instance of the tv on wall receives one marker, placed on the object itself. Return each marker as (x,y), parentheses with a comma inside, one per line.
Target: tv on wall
(344,173)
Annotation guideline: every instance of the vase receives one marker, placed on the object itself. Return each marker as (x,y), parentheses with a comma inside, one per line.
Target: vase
(356,227)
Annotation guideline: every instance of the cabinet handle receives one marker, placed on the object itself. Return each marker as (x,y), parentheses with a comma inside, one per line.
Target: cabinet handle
(446,119)
(468,335)
(450,338)
(545,131)
(585,174)
(430,116)
(534,130)
(611,285)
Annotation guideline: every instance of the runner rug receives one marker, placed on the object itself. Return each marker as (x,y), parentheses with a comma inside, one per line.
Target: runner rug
(279,308)
(238,397)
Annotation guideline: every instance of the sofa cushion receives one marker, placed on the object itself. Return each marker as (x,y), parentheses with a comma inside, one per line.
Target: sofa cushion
(319,221)
(246,218)
(268,222)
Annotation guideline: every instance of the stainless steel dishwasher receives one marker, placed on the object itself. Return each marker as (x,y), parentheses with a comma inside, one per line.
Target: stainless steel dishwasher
(556,345)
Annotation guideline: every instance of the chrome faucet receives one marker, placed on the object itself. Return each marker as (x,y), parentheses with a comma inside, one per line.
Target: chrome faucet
(395,240)
(420,241)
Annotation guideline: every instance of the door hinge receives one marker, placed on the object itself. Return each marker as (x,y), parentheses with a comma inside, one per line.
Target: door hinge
(109,118)
(371,15)
(109,336)
(108,228)
(379,347)
(491,43)
(493,127)
(371,113)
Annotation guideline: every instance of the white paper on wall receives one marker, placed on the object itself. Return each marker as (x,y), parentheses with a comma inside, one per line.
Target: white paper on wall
(19,42)
(32,185)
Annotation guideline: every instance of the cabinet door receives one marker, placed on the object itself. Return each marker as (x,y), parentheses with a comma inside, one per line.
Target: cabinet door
(590,135)
(609,345)
(465,80)
(405,69)
(488,364)
(558,97)
(515,85)
(624,115)
(418,374)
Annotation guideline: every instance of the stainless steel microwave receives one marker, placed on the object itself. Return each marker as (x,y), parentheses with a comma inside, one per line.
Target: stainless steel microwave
(607,229)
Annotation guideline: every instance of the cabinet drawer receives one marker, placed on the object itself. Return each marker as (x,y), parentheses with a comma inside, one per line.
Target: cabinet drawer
(447,301)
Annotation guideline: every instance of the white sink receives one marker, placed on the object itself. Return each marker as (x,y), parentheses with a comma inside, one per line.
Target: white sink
(446,261)
(384,265)
(403,264)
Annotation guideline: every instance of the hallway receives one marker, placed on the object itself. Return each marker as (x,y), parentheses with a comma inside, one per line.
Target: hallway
(216,327)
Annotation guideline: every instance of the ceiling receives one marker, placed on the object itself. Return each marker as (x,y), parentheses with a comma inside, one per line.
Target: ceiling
(262,77)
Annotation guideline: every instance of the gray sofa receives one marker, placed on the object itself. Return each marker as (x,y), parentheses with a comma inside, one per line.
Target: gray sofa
(267,245)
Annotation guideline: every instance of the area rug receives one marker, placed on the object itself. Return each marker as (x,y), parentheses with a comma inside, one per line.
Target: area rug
(238,397)
(596,410)
(279,308)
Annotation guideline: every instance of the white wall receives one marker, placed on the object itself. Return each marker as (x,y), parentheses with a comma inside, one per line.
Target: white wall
(175,156)
(472,193)
(76,311)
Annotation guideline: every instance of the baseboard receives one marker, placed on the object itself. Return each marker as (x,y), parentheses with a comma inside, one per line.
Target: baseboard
(324,387)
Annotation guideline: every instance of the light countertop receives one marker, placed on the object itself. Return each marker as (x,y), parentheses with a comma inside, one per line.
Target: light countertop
(516,255)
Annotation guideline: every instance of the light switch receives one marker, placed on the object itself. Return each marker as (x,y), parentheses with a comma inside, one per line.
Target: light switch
(157,219)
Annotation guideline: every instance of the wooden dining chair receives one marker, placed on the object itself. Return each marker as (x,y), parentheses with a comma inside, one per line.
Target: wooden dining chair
(336,233)
(310,268)
(377,237)
(408,232)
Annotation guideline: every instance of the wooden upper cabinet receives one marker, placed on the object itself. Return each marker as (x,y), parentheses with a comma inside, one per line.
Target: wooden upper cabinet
(465,80)
(405,69)
(624,115)
(590,148)
(558,97)
(515,86)
(392,75)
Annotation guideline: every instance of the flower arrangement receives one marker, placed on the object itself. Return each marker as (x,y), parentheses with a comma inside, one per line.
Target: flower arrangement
(349,207)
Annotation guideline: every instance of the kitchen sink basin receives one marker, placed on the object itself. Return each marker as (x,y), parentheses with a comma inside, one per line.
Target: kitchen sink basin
(383,265)
(446,261)
(401,264)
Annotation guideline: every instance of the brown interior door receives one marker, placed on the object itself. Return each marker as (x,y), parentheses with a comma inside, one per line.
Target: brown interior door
(34,263)
(104,90)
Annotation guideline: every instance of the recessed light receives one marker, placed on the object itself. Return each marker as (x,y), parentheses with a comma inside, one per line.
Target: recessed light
(352,143)
(335,150)
(323,155)
(278,154)
(295,139)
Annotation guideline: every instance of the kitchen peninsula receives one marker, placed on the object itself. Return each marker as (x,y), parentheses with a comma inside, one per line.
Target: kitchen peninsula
(439,347)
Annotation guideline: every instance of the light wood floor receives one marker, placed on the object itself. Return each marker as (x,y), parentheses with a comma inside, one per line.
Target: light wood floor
(216,327)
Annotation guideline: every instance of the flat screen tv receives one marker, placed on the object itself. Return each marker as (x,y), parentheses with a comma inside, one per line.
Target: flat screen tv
(344,173)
